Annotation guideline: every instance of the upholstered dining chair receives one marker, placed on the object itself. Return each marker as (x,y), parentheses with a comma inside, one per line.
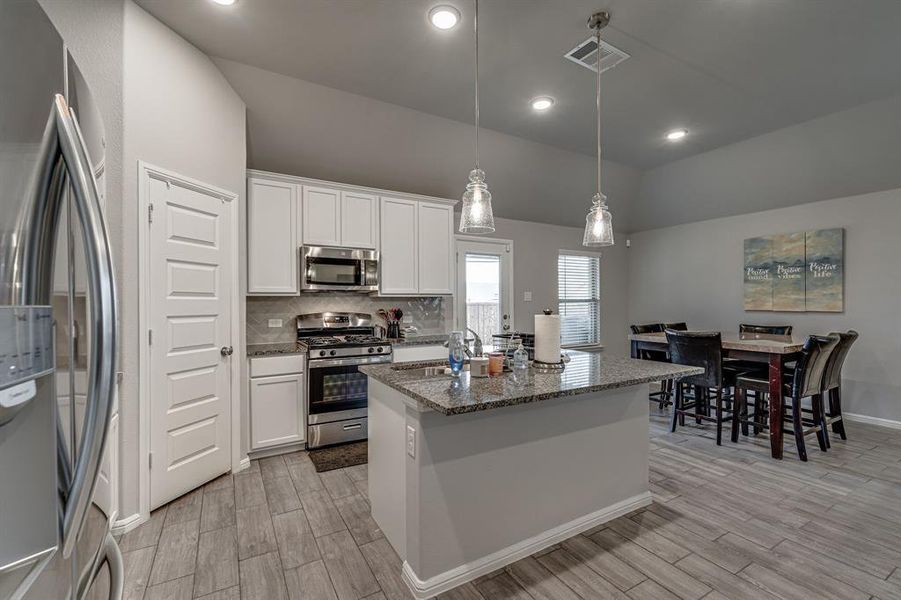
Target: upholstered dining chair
(765,329)
(832,382)
(700,349)
(807,380)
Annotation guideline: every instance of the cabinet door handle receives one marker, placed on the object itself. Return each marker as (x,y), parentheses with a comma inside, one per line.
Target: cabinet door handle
(352,427)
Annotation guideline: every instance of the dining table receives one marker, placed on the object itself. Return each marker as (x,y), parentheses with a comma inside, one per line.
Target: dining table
(775,351)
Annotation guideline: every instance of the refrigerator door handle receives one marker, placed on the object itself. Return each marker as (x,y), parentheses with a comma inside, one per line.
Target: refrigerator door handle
(64,158)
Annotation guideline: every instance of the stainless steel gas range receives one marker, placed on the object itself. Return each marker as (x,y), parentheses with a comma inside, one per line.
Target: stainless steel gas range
(337,397)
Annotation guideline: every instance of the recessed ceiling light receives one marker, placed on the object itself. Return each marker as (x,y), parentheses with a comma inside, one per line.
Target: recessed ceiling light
(225,2)
(542,103)
(444,17)
(676,134)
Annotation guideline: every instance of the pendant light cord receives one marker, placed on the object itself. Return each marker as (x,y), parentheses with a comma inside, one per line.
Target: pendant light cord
(476,26)
(598,30)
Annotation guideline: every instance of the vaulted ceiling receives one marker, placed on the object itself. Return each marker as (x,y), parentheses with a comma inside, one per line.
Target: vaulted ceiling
(727,70)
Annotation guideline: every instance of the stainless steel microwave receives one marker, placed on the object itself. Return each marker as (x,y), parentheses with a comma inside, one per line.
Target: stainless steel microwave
(348,269)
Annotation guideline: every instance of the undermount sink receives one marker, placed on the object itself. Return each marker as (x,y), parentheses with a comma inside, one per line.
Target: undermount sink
(435,371)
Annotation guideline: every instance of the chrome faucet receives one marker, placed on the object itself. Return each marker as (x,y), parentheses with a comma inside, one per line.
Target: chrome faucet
(477,346)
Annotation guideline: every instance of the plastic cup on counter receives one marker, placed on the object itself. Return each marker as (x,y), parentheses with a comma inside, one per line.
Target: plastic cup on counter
(495,363)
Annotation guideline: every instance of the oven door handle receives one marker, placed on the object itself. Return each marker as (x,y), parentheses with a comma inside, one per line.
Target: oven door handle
(342,362)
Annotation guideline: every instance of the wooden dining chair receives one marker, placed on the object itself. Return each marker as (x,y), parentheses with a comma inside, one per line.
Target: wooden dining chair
(807,380)
(700,349)
(663,397)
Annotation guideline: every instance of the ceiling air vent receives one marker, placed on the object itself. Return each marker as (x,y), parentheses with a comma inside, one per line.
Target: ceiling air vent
(586,54)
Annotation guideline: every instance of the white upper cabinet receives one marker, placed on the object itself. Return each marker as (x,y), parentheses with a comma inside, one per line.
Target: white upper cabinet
(399,258)
(272,237)
(321,216)
(436,246)
(417,245)
(333,217)
(359,220)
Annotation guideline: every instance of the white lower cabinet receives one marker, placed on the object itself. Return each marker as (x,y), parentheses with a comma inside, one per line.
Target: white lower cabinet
(277,406)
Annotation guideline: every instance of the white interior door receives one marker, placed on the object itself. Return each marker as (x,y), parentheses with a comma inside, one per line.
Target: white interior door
(189,306)
(484,286)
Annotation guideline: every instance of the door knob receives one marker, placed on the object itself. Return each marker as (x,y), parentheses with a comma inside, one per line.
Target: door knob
(226,350)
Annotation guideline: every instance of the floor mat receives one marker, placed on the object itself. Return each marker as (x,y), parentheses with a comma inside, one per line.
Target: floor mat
(339,457)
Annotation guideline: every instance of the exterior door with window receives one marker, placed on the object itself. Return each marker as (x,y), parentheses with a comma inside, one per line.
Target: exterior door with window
(484,283)
(579,297)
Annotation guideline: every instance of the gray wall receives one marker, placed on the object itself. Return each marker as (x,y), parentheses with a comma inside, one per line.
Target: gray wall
(180,114)
(535,248)
(854,151)
(301,128)
(693,273)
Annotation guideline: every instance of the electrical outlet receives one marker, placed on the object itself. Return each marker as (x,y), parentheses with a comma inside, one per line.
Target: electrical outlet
(407,319)
(527,296)
(275,322)
(411,441)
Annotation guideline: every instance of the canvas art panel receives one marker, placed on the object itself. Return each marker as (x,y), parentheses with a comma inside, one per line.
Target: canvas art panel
(825,270)
(759,273)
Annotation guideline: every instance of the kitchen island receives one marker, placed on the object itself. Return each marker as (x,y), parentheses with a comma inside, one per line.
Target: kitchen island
(467,475)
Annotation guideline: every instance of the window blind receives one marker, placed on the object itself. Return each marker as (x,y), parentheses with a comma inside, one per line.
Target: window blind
(579,294)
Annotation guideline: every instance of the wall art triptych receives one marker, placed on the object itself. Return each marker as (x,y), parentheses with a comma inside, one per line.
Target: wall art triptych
(798,272)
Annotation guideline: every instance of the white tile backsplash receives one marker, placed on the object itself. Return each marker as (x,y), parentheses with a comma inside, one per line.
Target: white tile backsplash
(430,315)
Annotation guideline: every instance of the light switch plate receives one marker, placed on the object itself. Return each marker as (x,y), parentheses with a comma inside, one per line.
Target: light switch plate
(411,441)
(275,322)
(527,296)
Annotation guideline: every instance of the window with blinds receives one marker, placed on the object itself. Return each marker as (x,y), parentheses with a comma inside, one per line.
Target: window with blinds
(579,293)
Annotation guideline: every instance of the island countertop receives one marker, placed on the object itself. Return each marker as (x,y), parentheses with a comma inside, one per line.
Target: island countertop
(586,372)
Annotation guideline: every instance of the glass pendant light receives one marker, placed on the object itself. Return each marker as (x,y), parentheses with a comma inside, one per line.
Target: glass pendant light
(599,222)
(477,216)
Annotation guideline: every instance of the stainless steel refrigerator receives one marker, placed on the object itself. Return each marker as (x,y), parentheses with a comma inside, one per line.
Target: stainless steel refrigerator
(57,324)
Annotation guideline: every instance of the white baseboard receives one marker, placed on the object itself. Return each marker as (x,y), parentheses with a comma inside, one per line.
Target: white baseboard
(872,420)
(275,451)
(244,464)
(429,588)
(123,526)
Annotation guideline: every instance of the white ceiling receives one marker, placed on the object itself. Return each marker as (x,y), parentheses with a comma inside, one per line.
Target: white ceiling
(725,69)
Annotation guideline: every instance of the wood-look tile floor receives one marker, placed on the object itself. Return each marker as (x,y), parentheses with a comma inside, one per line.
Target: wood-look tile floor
(726,522)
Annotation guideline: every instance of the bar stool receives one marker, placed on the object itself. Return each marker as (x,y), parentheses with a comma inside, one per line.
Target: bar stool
(662,397)
(832,381)
(700,349)
(805,381)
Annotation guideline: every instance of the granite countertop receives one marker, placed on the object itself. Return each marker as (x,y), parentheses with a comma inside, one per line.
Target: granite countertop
(586,372)
(277,349)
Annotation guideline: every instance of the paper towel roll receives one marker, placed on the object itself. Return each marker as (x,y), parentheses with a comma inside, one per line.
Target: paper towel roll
(547,338)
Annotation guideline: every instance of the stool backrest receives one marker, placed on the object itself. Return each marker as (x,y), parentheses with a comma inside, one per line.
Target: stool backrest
(807,379)
(832,378)
(698,349)
(649,328)
(768,329)
(676,326)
